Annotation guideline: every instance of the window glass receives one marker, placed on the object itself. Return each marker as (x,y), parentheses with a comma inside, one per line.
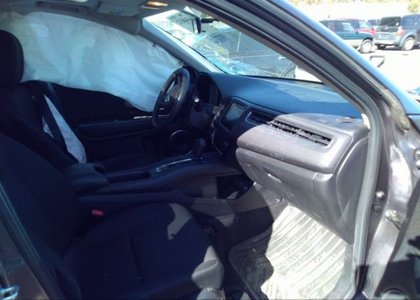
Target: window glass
(408,20)
(230,50)
(347,27)
(363,25)
(390,21)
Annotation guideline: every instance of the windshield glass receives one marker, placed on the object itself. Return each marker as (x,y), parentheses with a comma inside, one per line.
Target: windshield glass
(230,50)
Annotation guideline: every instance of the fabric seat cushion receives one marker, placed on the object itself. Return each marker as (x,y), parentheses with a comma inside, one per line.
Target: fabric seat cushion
(152,251)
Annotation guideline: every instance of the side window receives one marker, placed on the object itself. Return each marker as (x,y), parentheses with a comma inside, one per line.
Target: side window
(354,23)
(408,21)
(364,25)
(338,26)
(330,26)
(347,27)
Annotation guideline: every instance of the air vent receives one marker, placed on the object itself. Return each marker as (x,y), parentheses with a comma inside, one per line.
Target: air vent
(259,118)
(302,133)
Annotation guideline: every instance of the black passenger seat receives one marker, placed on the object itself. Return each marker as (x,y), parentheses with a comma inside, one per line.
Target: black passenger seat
(153,251)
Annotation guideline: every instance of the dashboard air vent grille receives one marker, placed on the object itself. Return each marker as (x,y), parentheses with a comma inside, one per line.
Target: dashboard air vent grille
(302,133)
(259,118)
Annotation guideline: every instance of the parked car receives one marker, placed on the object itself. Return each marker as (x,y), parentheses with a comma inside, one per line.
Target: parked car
(374,23)
(200,179)
(361,25)
(399,31)
(359,39)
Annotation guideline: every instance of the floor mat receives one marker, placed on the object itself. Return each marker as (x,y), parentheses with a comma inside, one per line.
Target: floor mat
(297,258)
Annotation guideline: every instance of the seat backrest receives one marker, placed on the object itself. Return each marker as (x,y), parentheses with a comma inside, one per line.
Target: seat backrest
(53,122)
(20,119)
(46,206)
(25,133)
(40,192)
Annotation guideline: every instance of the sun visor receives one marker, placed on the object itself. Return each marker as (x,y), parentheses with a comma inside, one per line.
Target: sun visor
(82,54)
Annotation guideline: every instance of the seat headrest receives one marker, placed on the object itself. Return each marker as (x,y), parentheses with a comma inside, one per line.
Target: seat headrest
(11,60)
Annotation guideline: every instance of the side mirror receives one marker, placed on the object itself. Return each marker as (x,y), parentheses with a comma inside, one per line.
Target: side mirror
(377,60)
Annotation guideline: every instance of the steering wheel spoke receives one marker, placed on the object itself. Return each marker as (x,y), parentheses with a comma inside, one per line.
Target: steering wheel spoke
(171,98)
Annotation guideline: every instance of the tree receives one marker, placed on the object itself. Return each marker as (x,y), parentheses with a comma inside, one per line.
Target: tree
(414,6)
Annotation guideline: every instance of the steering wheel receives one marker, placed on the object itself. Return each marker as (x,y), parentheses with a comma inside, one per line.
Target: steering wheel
(171,98)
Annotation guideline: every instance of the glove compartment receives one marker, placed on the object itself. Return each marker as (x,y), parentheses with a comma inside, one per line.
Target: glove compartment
(313,161)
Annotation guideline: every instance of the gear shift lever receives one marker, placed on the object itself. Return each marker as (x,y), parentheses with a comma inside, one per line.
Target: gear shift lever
(198,147)
(196,151)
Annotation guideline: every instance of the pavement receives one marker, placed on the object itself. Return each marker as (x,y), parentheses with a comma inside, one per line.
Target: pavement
(402,67)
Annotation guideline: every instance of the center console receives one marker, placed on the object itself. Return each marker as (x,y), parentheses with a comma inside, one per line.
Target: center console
(166,175)
(175,171)
(228,124)
(223,124)
(203,173)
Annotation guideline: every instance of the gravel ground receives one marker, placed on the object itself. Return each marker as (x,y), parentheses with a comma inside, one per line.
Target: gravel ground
(402,67)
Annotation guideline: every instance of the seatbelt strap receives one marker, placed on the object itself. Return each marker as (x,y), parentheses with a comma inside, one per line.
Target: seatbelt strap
(44,109)
(51,93)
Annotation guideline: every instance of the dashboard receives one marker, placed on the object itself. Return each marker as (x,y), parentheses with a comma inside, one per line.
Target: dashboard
(227,106)
(299,139)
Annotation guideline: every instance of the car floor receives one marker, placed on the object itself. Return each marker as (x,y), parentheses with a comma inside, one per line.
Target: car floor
(296,257)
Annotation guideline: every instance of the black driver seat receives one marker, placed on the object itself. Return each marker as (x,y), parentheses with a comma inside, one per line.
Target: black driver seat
(21,117)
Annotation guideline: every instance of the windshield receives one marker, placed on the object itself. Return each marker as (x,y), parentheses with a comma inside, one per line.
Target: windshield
(390,21)
(230,50)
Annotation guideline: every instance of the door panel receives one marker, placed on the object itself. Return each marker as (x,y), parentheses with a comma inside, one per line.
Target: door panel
(83,106)
(116,129)
(109,126)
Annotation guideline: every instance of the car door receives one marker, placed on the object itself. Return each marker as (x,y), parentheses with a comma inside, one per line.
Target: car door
(400,279)
(344,30)
(391,183)
(352,36)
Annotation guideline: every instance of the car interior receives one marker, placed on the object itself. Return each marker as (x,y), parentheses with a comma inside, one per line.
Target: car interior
(237,187)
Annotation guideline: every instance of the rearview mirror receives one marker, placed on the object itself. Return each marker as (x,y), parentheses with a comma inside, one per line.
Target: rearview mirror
(187,20)
(205,22)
